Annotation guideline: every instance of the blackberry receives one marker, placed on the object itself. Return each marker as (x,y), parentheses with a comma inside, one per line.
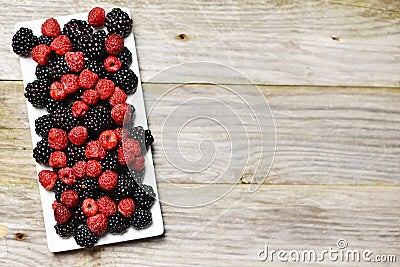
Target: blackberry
(78,94)
(63,119)
(149,139)
(125,57)
(43,125)
(23,41)
(126,79)
(87,188)
(124,188)
(84,237)
(37,92)
(119,22)
(141,219)
(79,216)
(57,67)
(117,224)
(102,35)
(65,230)
(97,119)
(75,28)
(139,134)
(144,196)
(137,176)
(52,105)
(74,154)
(44,39)
(110,162)
(59,188)
(42,152)
(96,67)
(92,46)
(42,72)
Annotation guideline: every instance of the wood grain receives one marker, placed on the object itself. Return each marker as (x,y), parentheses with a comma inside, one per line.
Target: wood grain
(339,43)
(324,135)
(230,231)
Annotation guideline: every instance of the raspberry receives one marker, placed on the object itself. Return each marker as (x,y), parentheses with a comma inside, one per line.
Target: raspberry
(106,206)
(108,180)
(124,158)
(54,205)
(79,109)
(79,169)
(94,150)
(70,83)
(84,237)
(126,207)
(97,223)
(90,207)
(88,79)
(51,28)
(119,133)
(96,17)
(67,176)
(75,61)
(132,146)
(138,163)
(47,179)
(90,97)
(41,54)
(93,168)
(61,45)
(57,139)
(118,112)
(62,214)
(108,139)
(57,91)
(78,135)
(118,97)
(70,198)
(114,44)
(105,88)
(112,64)
(58,159)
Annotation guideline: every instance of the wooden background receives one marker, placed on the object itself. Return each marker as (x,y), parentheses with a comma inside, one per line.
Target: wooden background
(330,71)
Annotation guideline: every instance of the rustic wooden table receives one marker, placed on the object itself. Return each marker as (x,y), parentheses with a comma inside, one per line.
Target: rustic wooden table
(330,71)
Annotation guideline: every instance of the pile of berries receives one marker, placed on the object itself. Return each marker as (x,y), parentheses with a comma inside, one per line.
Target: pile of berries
(83,77)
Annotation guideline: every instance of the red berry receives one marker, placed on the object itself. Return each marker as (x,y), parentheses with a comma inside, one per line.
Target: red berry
(88,79)
(97,223)
(47,179)
(94,150)
(105,88)
(108,180)
(107,206)
(61,45)
(118,97)
(41,54)
(51,28)
(90,97)
(126,207)
(119,132)
(112,64)
(138,163)
(75,61)
(57,91)
(79,109)
(93,168)
(66,175)
(89,207)
(124,158)
(57,139)
(108,139)
(132,146)
(58,159)
(114,44)
(79,169)
(62,214)
(78,135)
(54,205)
(118,112)
(70,198)
(70,83)
(96,17)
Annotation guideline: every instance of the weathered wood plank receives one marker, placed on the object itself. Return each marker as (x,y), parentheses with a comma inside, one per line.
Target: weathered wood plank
(323,135)
(228,232)
(353,43)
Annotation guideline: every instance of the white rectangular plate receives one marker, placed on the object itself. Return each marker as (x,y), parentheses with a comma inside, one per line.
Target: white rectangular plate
(56,243)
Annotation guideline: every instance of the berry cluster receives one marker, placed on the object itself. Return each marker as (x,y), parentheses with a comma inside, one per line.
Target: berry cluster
(82,80)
